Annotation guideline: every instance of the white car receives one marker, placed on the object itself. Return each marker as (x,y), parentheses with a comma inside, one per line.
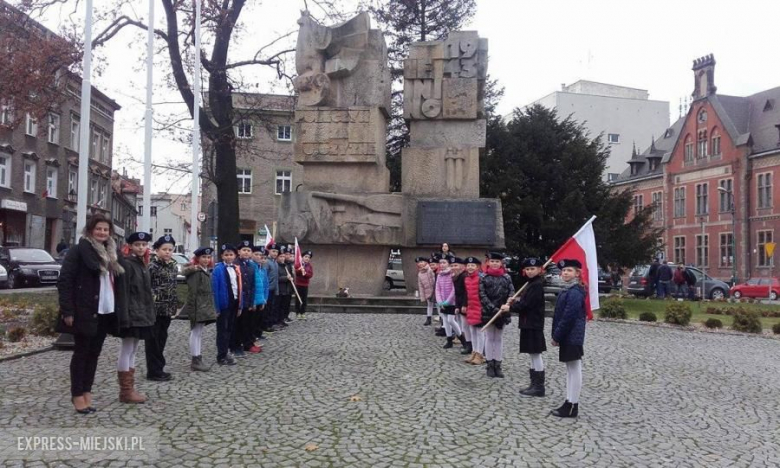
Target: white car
(3,277)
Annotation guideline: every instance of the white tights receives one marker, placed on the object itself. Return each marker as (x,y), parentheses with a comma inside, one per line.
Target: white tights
(429,311)
(196,338)
(451,325)
(537,363)
(127,352)
(477,339)
(573,380)
(464,325)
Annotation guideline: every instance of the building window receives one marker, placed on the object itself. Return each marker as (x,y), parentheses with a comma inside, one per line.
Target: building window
(658,207)
(29,176)
(726,250)
(244,130)
(153,211)
(105,149)
(679,202)
(283,182)
(5,171)
(652,163)
(95,148)
(168,231)
(724,197)
(54,129)
(702,207)
(6,114)
(715,144)
(73,184)
(703,116)
(51,182)
(75,133)
(244,180)
(103,195)
(639,202)
(31,126)
(93,191)
(688,149)
(679,250)
(765,190)
(284,133)
(764,237)
(702,250)
(701,151)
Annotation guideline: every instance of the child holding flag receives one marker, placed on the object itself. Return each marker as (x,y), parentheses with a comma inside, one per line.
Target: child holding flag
(494,291)
(303,274)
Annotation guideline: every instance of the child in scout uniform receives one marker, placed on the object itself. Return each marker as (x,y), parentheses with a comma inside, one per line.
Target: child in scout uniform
(445,298)
(272,271)
(253,297)
(434,263)
(303,276)
(568,333)
(286,278)
(530,309)
(227,288)
(258,256)
(162,270)
(199,307)
(473,310)
(426,279)
(494,291)
(289,267)
(459,281)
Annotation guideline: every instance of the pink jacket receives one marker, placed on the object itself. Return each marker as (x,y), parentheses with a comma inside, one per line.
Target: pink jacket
(425,282)
(445,289)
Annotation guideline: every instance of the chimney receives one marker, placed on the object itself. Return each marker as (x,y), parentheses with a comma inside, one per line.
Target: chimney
(704,77)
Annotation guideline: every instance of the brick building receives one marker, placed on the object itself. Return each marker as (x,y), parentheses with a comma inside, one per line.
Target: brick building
(710,178)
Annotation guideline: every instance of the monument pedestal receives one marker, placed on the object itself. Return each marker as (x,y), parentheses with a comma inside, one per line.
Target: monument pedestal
(361,268)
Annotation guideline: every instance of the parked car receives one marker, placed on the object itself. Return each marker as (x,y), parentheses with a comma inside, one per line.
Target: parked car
(394,277)
(3,277)
(605,282)
(61,256)
(757,287)
(639,284)
(29,267)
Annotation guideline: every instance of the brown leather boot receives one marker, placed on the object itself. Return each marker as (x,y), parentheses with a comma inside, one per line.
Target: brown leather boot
(470,359)
(127,393)
(478,360)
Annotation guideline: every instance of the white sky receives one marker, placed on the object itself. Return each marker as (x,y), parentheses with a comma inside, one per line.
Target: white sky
(535,46)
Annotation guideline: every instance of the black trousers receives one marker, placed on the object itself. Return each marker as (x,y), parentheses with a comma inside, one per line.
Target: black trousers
(155,346)
(83,363)
(225,324)
(267,320)
(243,332)
(300,307)
(283,309)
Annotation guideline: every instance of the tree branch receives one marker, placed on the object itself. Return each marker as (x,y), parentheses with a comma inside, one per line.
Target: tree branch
(272,60)
(117,25)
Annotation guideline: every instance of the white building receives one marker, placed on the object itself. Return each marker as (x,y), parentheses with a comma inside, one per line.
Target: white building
(169,215)
(623,116)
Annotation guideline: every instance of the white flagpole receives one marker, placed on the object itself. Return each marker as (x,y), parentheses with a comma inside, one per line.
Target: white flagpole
(84,143)
(146,216)
(194,204)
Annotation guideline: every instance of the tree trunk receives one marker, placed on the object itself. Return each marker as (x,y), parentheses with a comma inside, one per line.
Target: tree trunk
(227,188)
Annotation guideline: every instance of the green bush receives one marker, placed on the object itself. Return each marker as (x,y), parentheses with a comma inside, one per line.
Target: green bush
(647,317)
(613,308)
(678,314)
(747,321)
(44,320)
(17,334)
(713,323)
(776,328)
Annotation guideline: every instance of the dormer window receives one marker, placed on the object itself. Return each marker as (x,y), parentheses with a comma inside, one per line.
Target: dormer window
(769,105)
(702,116)
(653,164)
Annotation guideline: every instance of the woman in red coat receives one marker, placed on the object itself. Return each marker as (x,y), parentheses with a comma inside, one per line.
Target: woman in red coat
(474,311)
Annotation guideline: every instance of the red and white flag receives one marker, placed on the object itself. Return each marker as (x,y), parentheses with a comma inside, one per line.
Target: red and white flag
(269,239)
(582,247)
(298,256)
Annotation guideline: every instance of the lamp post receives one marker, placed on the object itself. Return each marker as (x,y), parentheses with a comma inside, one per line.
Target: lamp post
(730,194)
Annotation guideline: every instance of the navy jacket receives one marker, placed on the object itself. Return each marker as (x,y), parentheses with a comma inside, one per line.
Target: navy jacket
(530,305)
(569,320)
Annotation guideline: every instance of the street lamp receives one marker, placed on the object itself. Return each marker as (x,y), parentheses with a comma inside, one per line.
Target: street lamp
(730,193)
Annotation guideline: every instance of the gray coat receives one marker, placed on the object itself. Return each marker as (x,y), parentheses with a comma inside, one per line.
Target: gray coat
(199,307)
(138,287)
(272,268)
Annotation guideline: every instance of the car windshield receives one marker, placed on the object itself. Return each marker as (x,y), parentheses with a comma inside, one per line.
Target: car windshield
(640,270)
(181,259)
(30,255)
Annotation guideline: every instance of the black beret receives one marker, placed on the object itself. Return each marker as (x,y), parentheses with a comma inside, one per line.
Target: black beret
(495,256)
(139,236)
(204,251)
(532,262)
(258,248)
(421,259)
(458,260)
(474,260)
(282,249)
(435,257)
(569,262)
(307,252)
(166,239)
(245,244)
(273,247)
(226,247)
(448,258)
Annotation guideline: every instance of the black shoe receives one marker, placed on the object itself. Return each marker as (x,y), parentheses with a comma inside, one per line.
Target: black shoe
(491,369)
(283,324)
(427,321)
(449,343)
(537,385)
(228,361)
(288,320)
(164,377)
(440,332)
(497,366)
(467,348)
(568,410)
(92,409)
(531,374)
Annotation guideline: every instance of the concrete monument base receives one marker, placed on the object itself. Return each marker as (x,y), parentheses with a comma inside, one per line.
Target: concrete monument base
(360,268)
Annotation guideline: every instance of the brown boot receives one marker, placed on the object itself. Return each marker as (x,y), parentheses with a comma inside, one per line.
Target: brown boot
(478,360)
(127,393)
(470,359)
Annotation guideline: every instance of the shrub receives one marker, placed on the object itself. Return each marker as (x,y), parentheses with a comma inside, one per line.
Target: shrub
(713,311)
(17,334)
(613,308)
(678,314)
(44,320)
(647,317)
(747,321)
(776,328)
(713,323)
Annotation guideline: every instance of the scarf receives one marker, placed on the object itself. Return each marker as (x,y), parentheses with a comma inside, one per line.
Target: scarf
(107,256)
(571,283)
(495,271)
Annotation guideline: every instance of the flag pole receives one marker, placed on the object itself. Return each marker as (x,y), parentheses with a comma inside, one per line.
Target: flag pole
(84,142)
(146,218)
(195,201)
(292,282)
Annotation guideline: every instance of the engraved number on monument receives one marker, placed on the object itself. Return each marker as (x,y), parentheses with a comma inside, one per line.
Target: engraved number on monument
(457,222)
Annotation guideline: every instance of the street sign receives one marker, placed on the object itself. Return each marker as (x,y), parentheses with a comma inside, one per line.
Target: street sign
(769,248)
(201,216)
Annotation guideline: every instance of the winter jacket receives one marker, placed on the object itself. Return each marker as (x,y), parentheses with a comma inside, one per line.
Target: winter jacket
(679,277)
(261,285)
(652,274)
(163,275)
(569,321)
(460,291)
(473,303)
(272,271)
(445,290)
(690,278)
(220,286)
(140,303)
(494,290)
(530,305)
(199,307)
(78,289)
(426,279)
(286,278)
(302,279)
(254,283)
(664,273)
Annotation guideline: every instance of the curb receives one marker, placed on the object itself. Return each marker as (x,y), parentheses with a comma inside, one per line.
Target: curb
(14,357)
(689,328)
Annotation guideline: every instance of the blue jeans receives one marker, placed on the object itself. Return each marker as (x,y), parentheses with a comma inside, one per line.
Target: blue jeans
(225,322)
(662,289)
(682,291)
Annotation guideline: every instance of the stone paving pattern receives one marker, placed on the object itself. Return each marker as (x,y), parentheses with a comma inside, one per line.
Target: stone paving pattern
(651,397)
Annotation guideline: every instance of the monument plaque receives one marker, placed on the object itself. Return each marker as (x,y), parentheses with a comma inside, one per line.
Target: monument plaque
(476,222)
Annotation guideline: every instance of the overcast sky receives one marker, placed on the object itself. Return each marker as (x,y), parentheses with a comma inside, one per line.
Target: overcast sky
(535,46)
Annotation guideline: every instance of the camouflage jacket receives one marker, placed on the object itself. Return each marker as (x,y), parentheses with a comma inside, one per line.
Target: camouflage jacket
(164,286)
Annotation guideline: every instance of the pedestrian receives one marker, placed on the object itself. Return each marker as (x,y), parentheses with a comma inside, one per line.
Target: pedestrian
(445,299)
(474,310)
(89,294)
(680,282)
(495,289)
(434,263)
(227,288)
(652,276)
(163,271)
(199,307)
(530,309)
(568,333)
(258,256)
(139,321)
(426,279)
(288,271)
(286,278)
(458,281)
(303,276)
(445,251)
(272,271)
(664,280)
(253,297)
(690,282)
(61,246)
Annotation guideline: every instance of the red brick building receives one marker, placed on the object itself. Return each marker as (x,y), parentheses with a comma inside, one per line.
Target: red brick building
(712,180)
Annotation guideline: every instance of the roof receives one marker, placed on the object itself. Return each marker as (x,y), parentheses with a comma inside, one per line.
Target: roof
(752,119)
(659,148)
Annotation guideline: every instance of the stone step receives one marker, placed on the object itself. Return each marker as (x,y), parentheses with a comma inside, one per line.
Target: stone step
(367,300)
(365,309)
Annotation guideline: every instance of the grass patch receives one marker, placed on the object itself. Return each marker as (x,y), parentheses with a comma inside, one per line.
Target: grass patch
(635,306)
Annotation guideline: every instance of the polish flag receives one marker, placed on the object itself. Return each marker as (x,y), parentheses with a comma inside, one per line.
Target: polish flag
(269,239)
(298,257)
(582,247)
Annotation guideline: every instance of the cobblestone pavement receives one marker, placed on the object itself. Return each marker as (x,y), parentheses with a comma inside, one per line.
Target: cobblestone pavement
(651,397)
